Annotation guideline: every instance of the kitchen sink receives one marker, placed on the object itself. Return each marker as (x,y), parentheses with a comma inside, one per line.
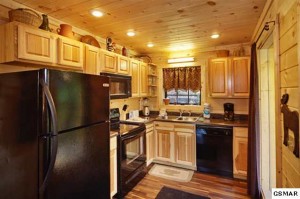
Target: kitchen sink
(185,118)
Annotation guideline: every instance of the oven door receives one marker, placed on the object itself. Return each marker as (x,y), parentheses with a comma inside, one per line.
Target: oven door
(132,160)
(133,153)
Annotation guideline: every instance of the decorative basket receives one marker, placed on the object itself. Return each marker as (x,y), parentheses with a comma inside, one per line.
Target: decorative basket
(222,53)
(26,16)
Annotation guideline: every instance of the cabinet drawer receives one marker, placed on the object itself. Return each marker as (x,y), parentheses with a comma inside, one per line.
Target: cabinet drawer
(113,143)
(185,128)
(164,125)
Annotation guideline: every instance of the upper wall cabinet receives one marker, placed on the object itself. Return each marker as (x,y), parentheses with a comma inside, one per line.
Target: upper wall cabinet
(139,78)
(70,52)
(135,78)
(240,76)
(108,61)
(35,45)
(123,65)
(218,77)
(91,60)
(114,63)
(25,44)
(229,77)
(143,79)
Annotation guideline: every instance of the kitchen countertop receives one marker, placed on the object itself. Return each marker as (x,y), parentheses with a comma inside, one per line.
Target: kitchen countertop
(235,123)
(124,129)
(113,133)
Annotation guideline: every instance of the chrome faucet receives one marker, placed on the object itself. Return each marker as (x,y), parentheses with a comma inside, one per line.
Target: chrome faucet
(190,113)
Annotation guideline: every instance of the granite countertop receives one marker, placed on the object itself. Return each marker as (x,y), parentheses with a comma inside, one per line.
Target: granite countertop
(222,122)
(113,133)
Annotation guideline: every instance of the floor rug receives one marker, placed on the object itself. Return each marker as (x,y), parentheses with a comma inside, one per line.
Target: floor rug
(171,173)
(169,193)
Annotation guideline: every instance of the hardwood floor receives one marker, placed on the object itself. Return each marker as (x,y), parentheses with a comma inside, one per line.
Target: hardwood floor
(207,185)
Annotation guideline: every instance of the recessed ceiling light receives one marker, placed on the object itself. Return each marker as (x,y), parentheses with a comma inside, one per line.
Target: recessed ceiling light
(150,45)
(131,33)
(96,13)
(215,36)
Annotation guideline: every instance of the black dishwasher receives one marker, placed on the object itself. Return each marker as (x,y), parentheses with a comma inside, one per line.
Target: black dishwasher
(214,149)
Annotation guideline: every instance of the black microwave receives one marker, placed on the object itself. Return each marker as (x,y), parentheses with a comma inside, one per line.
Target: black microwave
(119,85)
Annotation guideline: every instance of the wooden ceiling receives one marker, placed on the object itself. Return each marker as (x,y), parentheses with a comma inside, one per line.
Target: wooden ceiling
(170,24)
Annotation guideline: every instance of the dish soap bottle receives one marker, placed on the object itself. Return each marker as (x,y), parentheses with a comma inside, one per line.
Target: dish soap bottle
(206,110)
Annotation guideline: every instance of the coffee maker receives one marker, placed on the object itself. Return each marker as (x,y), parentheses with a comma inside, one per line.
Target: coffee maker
(229,111)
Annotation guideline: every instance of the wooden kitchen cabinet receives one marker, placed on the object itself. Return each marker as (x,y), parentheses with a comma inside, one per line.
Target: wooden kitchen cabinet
(108,61)
(240,152)
(123,65)
(143,79)
(22,43)
(164,147)
(240,76)
(150,145)
(135,70)
(36,45)
(113,166)
(218,77)
(26,44)
(139,78)
(175,144)
(70,52)
(185,144)
(91,61)
(229,77)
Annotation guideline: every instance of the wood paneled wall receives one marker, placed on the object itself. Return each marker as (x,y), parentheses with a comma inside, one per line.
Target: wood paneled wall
(289,76)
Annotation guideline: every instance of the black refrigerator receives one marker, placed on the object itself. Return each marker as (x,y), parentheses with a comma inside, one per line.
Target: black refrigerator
(54,135)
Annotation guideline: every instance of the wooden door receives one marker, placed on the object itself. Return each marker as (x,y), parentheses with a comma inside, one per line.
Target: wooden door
(36,45)
(123,65)
(70,53)
(163,145)
(108,61)
(218,77)
(113,166)
(240,152)
(143,79)
(91,62)
(240,74)
(185,148)
(135,76)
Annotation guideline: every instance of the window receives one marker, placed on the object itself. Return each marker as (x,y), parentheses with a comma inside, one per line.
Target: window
(183,97)
(182,85)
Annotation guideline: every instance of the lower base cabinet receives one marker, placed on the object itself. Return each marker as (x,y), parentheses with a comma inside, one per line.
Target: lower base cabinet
(175,144)
(240,152)
(113,166)
(150,143)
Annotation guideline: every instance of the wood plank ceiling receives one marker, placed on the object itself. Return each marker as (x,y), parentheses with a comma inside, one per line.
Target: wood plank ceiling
(169,24)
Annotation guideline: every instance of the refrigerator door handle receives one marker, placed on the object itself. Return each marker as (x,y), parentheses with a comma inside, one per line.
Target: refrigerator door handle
(53,136)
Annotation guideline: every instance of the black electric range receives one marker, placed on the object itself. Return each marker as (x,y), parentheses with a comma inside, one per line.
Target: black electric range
(131,152)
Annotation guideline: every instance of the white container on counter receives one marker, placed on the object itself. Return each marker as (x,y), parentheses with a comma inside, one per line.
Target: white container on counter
(206,110)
